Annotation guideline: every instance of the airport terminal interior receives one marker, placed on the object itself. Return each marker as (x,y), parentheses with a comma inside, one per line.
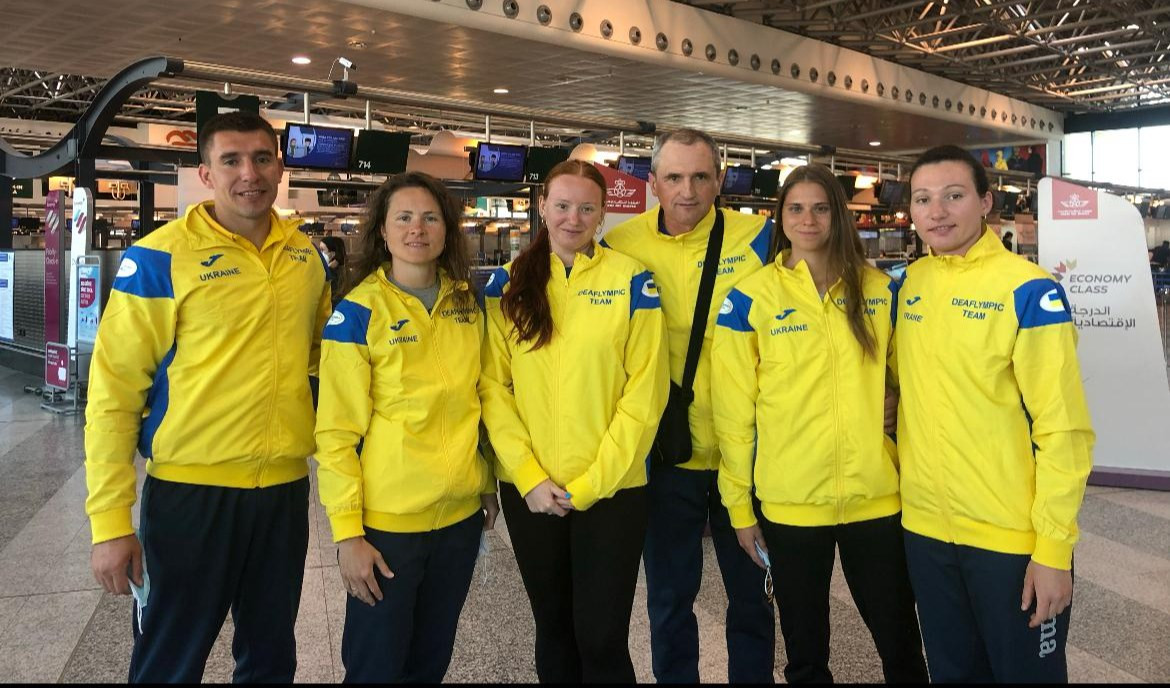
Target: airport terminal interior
(488,95)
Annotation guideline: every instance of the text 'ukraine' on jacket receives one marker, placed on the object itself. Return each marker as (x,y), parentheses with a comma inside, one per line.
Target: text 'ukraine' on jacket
(583,409)
(202,363)
(402,381)
(993,429)
(677,264)
(799,405)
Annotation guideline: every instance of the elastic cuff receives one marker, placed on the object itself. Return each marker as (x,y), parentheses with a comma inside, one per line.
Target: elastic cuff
(528,476)
(347,525)
(583,495)
(111,525)
(742,516)
(1055,554)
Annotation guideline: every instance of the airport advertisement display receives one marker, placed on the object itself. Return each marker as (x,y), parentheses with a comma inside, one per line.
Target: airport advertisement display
(83,214)
(54,250)
(1094,243)
(88,302)
(626,196)
(7,276)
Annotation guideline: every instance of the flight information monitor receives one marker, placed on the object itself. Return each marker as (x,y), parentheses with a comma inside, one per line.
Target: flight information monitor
(849,183)
(737,181)
(499,163)
(635,166)
(317,148)
(766,183)
(540,161)
(381,152)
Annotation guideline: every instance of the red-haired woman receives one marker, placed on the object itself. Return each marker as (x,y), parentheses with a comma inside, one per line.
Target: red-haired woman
(574,381)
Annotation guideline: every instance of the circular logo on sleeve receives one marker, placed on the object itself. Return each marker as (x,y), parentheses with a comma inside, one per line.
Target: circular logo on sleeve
(1051,302)
(649,289)
(127,267)
(337,318)
(726,308)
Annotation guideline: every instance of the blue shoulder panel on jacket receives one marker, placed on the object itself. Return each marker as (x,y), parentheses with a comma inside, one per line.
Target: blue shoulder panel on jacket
(643,293)
(495,284)
(734,312)
(763,240)
(893,287)
(348,324)
(145,272)
(1041,302)
(603,244)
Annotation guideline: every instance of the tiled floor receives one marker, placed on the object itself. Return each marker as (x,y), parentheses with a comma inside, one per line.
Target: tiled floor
(56,624)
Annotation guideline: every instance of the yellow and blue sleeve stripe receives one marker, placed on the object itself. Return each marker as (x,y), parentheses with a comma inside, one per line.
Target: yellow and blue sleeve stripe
(146,273)
(348,324)
(1041,302)
(643,293)
(734,312)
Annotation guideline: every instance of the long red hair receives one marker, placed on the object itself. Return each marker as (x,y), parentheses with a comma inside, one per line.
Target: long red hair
(525,303)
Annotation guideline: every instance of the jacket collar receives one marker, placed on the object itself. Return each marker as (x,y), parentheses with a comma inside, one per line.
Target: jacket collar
(800,277)
(581,261)
(699,234)
(986,246)
(446,284)
(204,231)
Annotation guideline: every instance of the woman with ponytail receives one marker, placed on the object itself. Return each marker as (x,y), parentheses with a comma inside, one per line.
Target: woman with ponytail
(574,381)
(801,350)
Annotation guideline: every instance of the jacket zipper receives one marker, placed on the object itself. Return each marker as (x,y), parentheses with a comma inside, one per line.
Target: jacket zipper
(826,304)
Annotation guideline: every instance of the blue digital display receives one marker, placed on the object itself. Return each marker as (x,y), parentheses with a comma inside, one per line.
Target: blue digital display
(500,163)
(320,148)
(635,166)
(737,181)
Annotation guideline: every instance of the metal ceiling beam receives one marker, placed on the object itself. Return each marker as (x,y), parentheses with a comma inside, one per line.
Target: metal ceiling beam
(29,84)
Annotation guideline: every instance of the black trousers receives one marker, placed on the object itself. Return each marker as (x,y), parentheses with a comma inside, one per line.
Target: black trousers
(874,564)
(580,572)
(975,632)
(211,549)
(409,635)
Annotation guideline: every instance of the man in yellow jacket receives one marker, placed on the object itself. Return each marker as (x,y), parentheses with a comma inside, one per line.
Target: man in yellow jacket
(993,437)
(671,240)
(202,364)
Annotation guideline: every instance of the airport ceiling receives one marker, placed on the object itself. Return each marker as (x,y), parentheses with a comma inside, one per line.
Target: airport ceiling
(56,55)
(1067,55)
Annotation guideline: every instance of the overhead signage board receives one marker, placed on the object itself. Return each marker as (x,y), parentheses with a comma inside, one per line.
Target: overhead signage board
(208,104)
(22,188)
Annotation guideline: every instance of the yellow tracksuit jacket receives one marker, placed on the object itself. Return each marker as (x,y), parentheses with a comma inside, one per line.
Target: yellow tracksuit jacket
(583,409)
(677,264)
(799,406)
(202,363)
(403,382)
(993,429)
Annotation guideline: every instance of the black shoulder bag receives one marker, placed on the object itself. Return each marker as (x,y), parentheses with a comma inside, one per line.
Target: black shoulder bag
(672,444)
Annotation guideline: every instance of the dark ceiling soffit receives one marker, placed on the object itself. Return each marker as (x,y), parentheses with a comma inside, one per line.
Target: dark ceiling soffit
(1098,121)
(84,140)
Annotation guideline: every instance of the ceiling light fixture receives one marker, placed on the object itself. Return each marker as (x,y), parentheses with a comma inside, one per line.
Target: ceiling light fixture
(500,91)
(301,59)
(875,143)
